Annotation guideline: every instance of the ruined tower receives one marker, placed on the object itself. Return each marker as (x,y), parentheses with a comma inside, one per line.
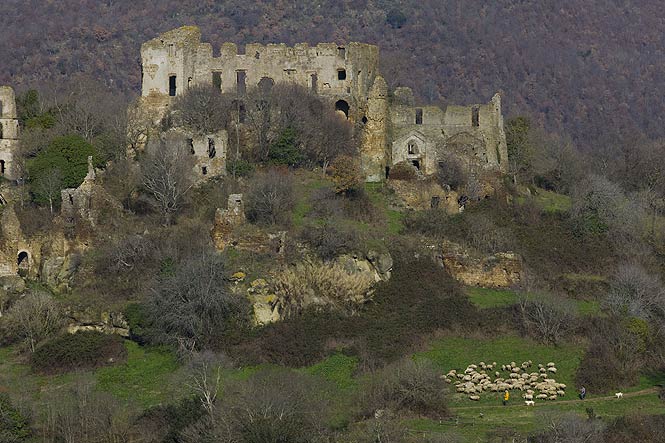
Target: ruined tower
(374,140)
(9,132)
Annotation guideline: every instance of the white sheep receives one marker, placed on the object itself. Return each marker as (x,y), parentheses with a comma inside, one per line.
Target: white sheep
(529,402)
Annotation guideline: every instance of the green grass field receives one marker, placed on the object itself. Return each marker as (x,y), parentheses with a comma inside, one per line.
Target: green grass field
(458,353)
(486,298)
(145,378)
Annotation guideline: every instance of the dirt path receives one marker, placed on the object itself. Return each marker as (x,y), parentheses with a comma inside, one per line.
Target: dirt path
(545,402)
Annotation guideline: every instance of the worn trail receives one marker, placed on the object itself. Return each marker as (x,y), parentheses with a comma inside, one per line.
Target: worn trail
(647,391)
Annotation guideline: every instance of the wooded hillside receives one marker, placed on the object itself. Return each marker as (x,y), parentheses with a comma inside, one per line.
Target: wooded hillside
(590,69)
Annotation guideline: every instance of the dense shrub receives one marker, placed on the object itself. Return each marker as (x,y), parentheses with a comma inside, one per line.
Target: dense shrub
(408,386)
(320,285)
(333,239)
(69,156)
(14,423)
(403,171)
(286,150)
(191,304)
(270,406)
(614,358)
(203,110)
(632,428)
(166,422)
(270,198)
(82,350)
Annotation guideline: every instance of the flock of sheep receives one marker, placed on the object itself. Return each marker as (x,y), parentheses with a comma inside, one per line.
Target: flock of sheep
(484,377)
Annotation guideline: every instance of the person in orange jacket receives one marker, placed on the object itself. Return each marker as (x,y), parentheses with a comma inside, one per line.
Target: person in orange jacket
(506,397)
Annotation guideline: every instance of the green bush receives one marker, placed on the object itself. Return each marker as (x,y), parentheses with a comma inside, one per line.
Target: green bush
(14,424)
(285,150)
(239,167)
(68,155)
(86,349)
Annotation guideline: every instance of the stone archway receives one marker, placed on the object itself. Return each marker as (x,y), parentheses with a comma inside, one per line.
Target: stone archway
(343,106)
(23,262)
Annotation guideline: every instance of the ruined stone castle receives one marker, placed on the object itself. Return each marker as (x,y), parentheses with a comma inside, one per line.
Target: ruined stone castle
(394,129)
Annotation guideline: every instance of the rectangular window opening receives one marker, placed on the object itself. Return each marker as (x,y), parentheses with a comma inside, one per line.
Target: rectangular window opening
(341,52)
(172,85)
(212,152)
(315,80)
(419,116)
(341,74)
(241,77)
(217,80)
(475,116)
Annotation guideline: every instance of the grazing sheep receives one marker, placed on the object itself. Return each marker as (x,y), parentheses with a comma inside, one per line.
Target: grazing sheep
(553,370)
(497,373)
(541,396)
(552,397)
(540,366)
(513,375)
(551,365)
(448,380)
(543,370)
(474,397)
(619,395)
(528,397)
(560,393)
(503,367)
(529,402)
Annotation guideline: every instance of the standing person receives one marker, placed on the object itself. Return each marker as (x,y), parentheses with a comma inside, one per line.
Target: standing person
(582,393)
(506,397)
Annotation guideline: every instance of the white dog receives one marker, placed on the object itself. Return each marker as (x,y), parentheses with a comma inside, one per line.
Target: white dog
(529,402)
(619,395)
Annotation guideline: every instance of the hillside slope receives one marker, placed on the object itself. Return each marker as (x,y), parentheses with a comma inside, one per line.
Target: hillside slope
(591,69)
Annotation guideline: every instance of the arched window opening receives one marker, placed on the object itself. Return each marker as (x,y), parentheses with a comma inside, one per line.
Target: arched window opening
(342,105)
(341,74)
(416,163)
(190,144)
(266,84)
(23,261)
(204,170)
(475,116)
(211,148)
(419,116)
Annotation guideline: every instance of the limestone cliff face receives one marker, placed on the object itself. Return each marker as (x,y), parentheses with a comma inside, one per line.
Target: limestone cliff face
(500,270)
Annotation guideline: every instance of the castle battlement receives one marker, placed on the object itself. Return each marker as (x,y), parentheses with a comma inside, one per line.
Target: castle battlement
(393,129)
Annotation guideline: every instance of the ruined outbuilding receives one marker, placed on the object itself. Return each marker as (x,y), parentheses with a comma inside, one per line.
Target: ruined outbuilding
(394,128)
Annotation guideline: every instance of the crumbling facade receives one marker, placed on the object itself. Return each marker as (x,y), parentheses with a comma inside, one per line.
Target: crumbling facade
(393,128)
(9,132)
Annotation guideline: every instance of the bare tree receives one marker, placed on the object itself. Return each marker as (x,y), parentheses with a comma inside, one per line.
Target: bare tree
(270,198)
(35,317)
(49,185)
(194,304)
(548,317)
(203,110)
(85,415)
(569,428)
(167,174)
(271,406)
(206,378)
(635,292)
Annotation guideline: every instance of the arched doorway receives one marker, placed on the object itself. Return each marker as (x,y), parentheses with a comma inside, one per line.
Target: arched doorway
(265,85)
(23,262)
(342,105)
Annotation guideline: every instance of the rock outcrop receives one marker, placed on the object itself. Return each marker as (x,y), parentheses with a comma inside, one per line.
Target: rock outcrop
(500,270)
